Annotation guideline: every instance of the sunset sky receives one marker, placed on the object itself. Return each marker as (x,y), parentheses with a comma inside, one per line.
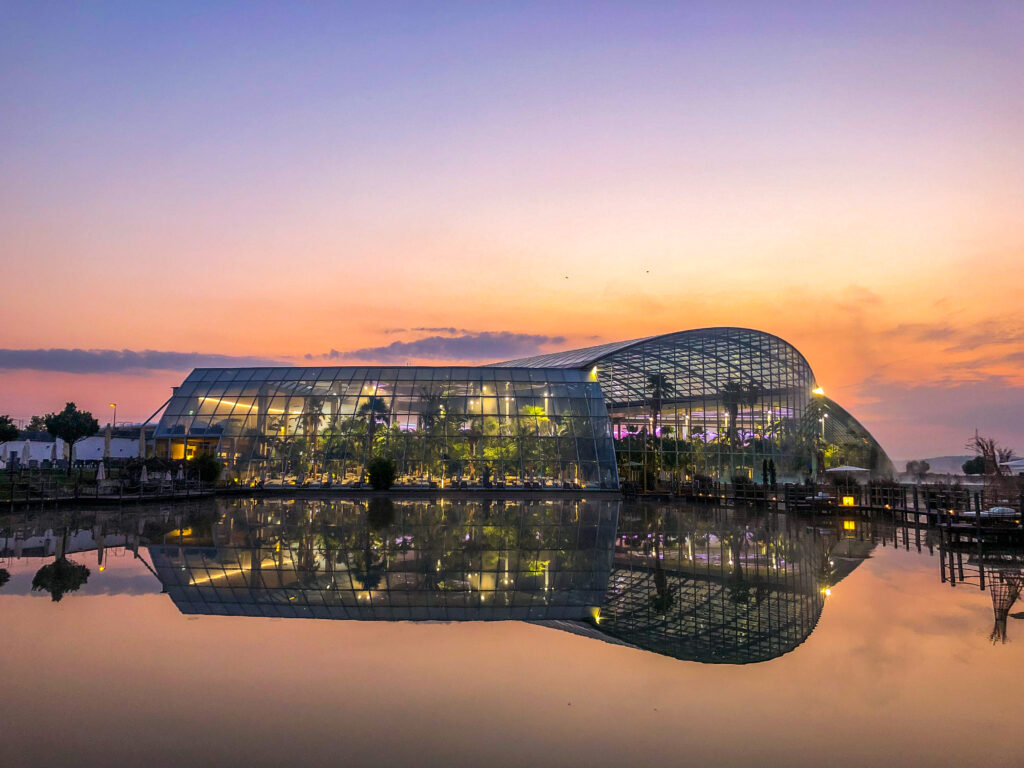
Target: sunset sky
(437,182)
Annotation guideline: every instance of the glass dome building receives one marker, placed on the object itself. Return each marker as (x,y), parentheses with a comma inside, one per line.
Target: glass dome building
(692,406)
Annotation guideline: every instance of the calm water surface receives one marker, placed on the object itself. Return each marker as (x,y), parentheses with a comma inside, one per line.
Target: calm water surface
(504,633)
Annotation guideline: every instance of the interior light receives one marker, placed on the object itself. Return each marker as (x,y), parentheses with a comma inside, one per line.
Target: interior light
(818,391)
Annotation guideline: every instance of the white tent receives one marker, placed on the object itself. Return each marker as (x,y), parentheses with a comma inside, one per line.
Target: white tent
(1016,465)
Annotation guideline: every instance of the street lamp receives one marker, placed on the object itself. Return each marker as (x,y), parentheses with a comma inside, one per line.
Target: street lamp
(114,406)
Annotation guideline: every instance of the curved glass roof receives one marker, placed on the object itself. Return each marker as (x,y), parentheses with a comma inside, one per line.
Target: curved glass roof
(573,358)
(588,356)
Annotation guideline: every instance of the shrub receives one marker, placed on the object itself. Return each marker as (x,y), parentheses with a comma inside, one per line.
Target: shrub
(381,472)
(206,466)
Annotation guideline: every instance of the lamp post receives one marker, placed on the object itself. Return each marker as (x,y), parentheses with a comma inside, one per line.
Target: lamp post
(114,422)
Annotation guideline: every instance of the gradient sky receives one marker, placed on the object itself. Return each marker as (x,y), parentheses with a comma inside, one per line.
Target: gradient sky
(183,184)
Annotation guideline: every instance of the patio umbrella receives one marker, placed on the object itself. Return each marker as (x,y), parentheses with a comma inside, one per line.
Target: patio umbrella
(26,454)
(144,475)
(167,476)
(101,473)
(181,473)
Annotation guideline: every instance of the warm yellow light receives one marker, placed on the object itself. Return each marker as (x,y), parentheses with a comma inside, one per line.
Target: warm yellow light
(849,525)
(827,591)
(847,501)
(233,404)
(817,391)
(593,372)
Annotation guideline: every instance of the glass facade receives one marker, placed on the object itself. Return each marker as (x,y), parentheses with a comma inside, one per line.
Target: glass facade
(443,427)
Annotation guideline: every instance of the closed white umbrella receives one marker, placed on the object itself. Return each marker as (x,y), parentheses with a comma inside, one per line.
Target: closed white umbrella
(181,473)
(101,473)
(26,452)
(144,475)
(167,476)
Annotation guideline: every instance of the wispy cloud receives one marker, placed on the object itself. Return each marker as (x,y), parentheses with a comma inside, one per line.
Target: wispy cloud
(118,360)
(924,331)
(967,337)
(461,345)
(448,330)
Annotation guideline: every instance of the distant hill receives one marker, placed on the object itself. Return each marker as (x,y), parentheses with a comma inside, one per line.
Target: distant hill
(940,465)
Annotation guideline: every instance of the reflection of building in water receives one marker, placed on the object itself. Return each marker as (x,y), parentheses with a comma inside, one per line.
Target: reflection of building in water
(380,559)
(699,583)
(732,589)
(693,584)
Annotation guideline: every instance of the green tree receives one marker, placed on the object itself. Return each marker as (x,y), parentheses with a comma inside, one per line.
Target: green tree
(71,425)
(734,394)
(919,469)
(7,429)
(659,387)
(374,409)
(975,466)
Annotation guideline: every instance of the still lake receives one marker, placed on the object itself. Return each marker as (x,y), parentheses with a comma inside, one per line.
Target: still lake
(562,632)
